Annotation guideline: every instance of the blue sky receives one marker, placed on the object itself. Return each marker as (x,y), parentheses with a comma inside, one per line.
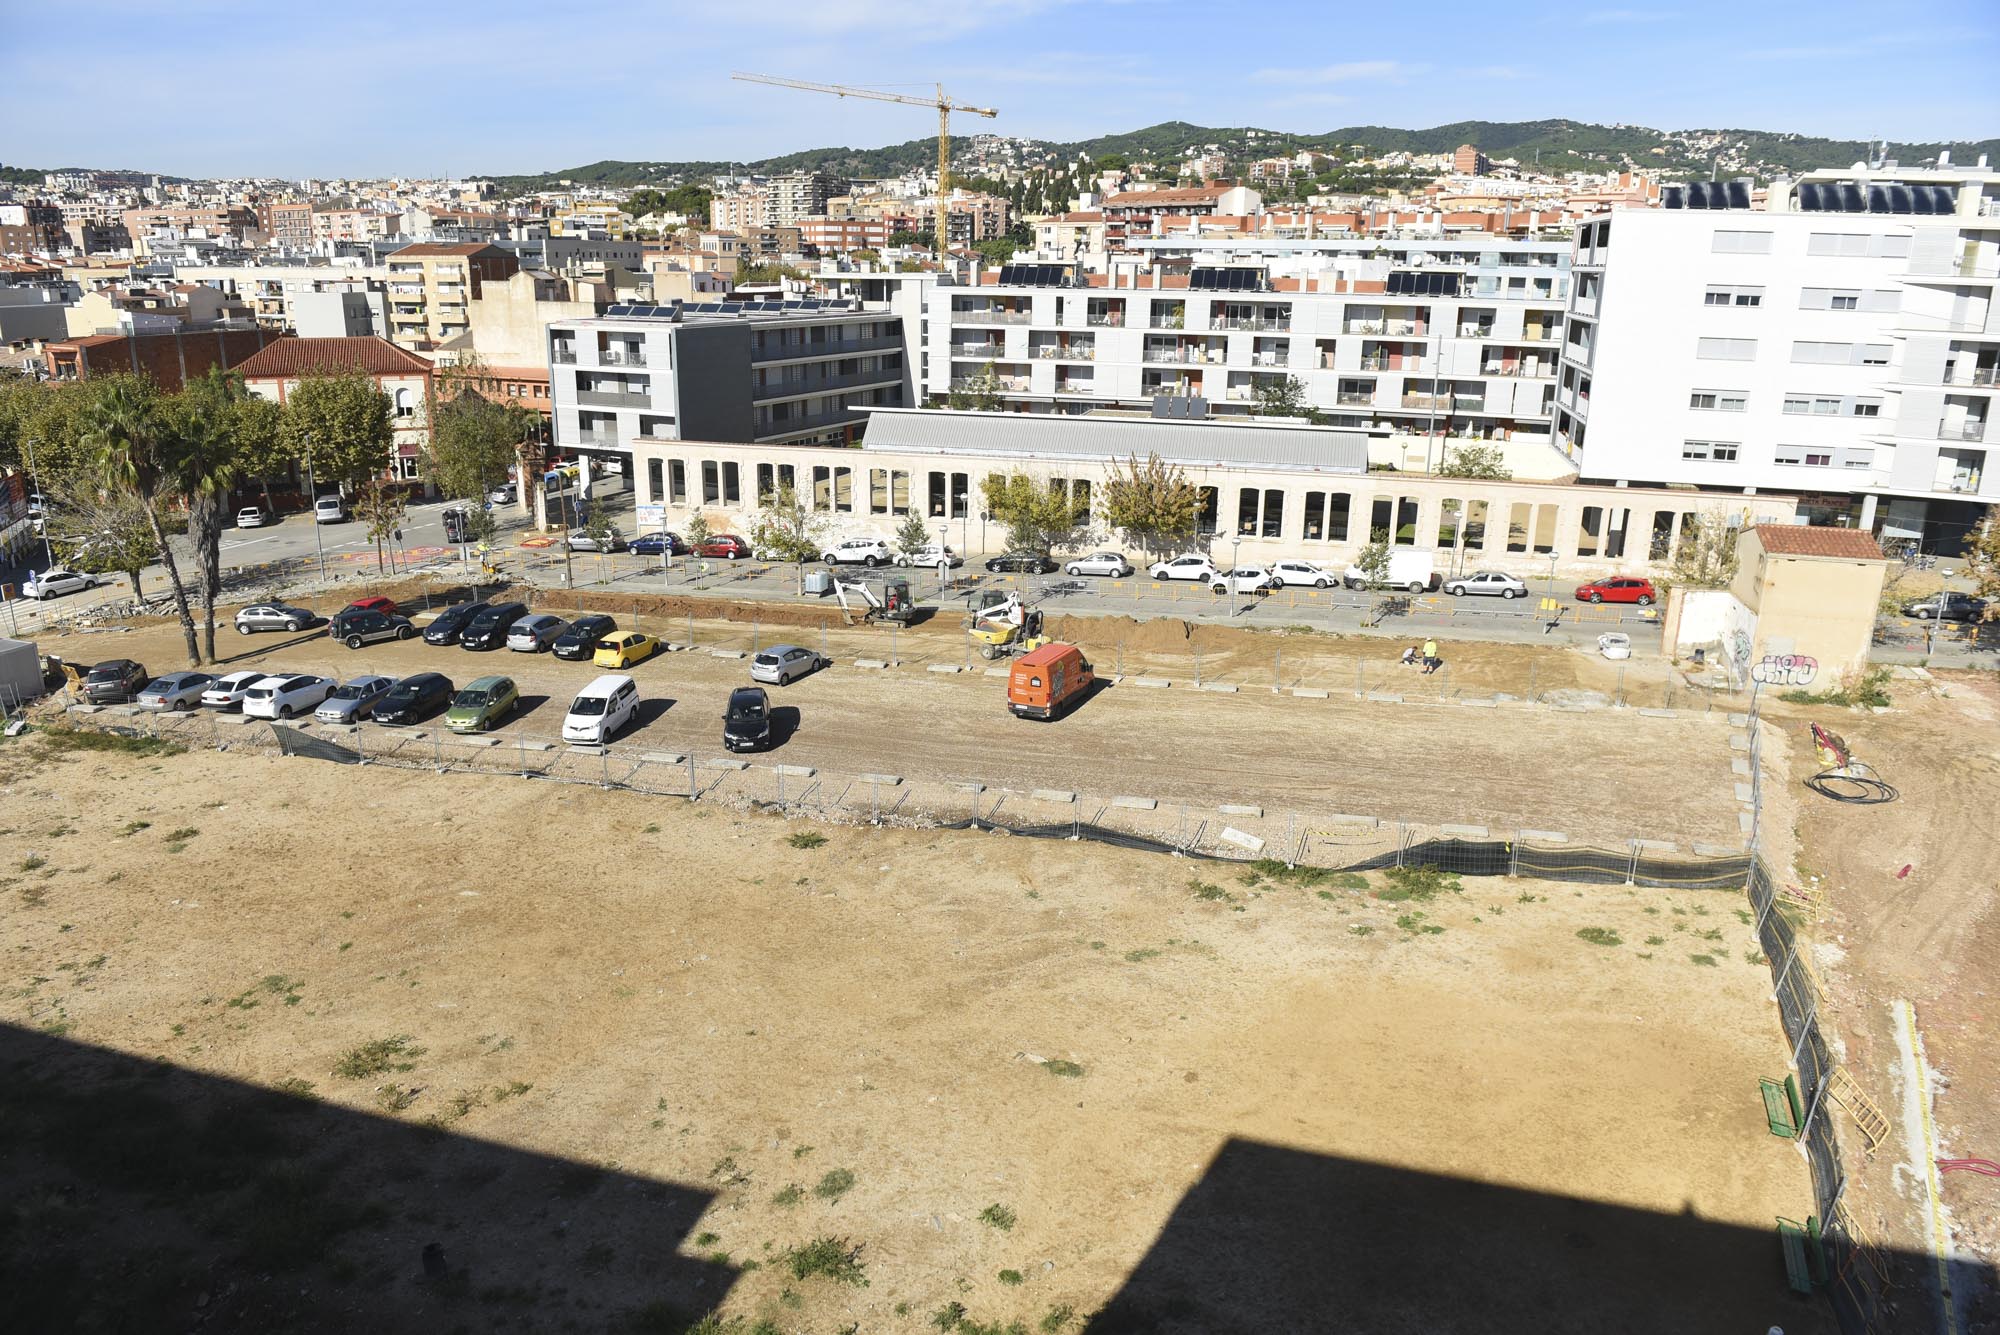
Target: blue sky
(290,88)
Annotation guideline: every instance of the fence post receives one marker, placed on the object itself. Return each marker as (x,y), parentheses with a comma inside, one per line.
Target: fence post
(1291,840)
(1632,872)
(437,749)
(1121,659)
(874,802)
(1197,664)
(1531,681)
(1402,838)
(693,795)
(1621,686)
(604,767)
(781,786)
(1514,855)
(1277,669)
(1784,973)
(1076,815)
(1805,1032)
(690,630)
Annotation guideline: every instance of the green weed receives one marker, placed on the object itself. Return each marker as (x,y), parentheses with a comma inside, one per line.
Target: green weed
(397,1053)
(1057,1066)
(1707,960)
(834,1185)
(806,839)
(1011,1277)
(1600,936)
(831,1257)
(788,1196)
(1360,929)
(998,1216)
(1211,893)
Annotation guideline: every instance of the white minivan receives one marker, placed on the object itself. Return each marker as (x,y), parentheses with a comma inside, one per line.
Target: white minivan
(601,709)
(329,510)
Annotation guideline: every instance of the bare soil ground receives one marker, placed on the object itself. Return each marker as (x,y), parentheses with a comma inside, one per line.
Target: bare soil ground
(629,1056)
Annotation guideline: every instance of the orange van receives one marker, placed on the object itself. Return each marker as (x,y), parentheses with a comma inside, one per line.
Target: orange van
(1047,681)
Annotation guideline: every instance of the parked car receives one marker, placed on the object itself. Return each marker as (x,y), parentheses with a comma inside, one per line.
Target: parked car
(1487,583)
(746,724)
(273,616)
(1244,579)
(115,681)
(352,701)
(489,629)
(535,632)
(1949,605)
(1188,565)
(1623,589)
(329,510)
(286,695)
(1303,573)
(355,629)
(601,709)
(726,546)
(57,580)
(175,691)
(661,543)
(870,552)
(782,664)
(1615,644)
(579,640)
(583,541)
(503,494)
(928,555)
(1028,563)
(457,520)
(227,692)
(448,625)
(1112,564)
(1410,568)
(250,516)
(414,699)
(623,648)
(374,602)
(482,705)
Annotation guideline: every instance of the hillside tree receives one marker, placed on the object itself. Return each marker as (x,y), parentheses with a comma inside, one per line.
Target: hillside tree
(1152,503)
(1040,517)
(339,423)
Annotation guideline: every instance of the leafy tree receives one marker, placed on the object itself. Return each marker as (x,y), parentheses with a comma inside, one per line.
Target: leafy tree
(218,424)
(473,438)
(697,532)
(138,455)
(1152,503)
(749,274)
(1282,398)
(786,529)
(1982,561)
(1706,555)
(1373,558)
(905,237)
(382,508)
(911,535)
(596,523)
(339,423)
(997,250)
(1478,461)
(866,255)
(43,427)
(1038,516)
(981,392)
(102,533)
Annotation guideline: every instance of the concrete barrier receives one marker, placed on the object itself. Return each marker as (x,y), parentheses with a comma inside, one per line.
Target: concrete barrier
(575,748)
(1239,809)
(1157,683)
(1463,831)
(457,740)
(1545,836)
(888,780)
(1235,836)
(1739,742)
(1744,793)
(1479,704)
(727,653)
(795,771)
(870,663)
(970,787)
(1746,822)
(664,758)
(1656,845)
(1658,713)
(676,647)
(1739,720)
(1223,687)
(1053,795)
(1359,822)
(1308,693)
(1384,697)
(725,762)
(999,672)
(1136,803)
(946,667)
(1739,765)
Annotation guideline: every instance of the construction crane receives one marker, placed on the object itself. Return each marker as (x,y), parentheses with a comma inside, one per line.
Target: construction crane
(945,106)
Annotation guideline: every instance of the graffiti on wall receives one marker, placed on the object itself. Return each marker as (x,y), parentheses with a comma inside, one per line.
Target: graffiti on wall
(1738,643)
(1785,670)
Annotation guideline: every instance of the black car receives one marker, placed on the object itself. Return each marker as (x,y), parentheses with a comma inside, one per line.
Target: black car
(1032,563)
(579,642)
(1950,605)
(414,699)
(747,725)
(355,629)
(449,624)
(489,629)
(115,681)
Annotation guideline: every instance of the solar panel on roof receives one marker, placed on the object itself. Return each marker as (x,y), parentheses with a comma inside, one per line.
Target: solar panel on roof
(1941,198)
(1670,198)
(1899,199)
(1850,198)
(1739,195)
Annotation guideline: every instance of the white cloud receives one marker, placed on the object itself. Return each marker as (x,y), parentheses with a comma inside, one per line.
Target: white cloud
(1350,72)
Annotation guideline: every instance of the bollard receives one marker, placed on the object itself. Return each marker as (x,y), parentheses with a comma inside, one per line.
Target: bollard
(521,752)
(692,794)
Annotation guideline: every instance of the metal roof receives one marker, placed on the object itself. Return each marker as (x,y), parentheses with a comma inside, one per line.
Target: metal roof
(1048,435)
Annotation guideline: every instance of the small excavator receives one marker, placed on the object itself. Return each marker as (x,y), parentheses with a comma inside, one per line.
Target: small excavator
(887,600)
(1005,627)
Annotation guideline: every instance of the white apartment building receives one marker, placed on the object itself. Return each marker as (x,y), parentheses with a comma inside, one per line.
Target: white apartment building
(1841,344)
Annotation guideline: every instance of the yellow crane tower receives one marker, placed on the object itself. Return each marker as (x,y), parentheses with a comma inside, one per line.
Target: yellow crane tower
(945,106)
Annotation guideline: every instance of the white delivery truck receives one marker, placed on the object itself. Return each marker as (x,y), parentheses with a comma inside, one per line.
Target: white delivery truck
(1409,568)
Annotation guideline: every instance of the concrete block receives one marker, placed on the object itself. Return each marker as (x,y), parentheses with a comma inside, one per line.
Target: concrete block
(1308,693)
(577,748)
(663,758)
(1738,765)
(870,663)
(1718,850)
(1739,720)
(1545,836)
(1463,831)
(970,787)
(1745,793)
(1136,803)
(1739,742)
(1160,683)
(1053,795)
(727,653)
(1384,697)
(795,771)
(1878,709)
(237,719)
(1656,845)
(999,672)
(1235,836)
(1222,687)
(725,762)
(1658,713)
(676,647)
(946,667)
(885,780)
(473,741)
(1359,822)
(1239,809)
(1747,823)
(1479,704)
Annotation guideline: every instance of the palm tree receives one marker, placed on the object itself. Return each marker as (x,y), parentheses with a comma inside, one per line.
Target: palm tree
(137,456)
(207,462)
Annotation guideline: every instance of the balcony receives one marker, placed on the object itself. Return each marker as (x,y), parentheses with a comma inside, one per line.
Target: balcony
(1167,322)
(963,351)
(1276,323)
(1105,320)
(1347,400)
(1974,429)
(615,357)
(602,440)
(1519,369)
(990,317)
(804,386)
(406,289)
(598,398)
(1011,384)
(1075,387)
(1475,331)
(1055,352)
(1983,377)
(563,356)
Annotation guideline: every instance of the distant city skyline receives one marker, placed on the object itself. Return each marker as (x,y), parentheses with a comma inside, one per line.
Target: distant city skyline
(233,89)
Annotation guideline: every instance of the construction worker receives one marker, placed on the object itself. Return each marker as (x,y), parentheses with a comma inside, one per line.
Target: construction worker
(1431,659)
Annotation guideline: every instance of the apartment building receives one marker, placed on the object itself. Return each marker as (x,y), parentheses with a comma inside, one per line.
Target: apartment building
(738,211)
(837,236)
(287,223)
(354,225)
(969,217)
(799,372)
(430,286)
(1842,343)
(1469,161)
(1187,200)
(32,227)
(229,220)
(1415,343)
(792,198)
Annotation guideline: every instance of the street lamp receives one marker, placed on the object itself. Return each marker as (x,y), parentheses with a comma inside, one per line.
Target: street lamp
(1235,595)
(965,521)
(944,556)
(312,489)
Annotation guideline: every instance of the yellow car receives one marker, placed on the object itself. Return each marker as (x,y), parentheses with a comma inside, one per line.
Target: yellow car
(624,648)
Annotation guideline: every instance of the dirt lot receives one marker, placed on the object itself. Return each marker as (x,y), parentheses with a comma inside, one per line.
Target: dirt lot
(1914,895)
(650,1051)
(1421,762)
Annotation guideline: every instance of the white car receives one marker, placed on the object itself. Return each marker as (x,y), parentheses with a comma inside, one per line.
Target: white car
(250,516)
(859,551)
(1492,583)
(329,510)
(57,580)
(286,695)
(227,692)
(927,557)
(354,701)
(1188,565)
(1110,564)
(1244,579)
(174,691)
(1615,644)
(1303,572)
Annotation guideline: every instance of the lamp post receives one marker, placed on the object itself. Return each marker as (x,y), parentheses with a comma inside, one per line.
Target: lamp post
(1235,546)
(312,489)
(944,556)
(965,521)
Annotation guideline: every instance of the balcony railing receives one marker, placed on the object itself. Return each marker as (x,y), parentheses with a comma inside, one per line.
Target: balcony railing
(1277,323)
(1105,320)
(599,440)
(614,357)
(1011,383)
(1345,400)
(1180,356)
(1475,331)
(963,350)
(1973,430)
(1053,352)
(1520,369)
(1985,375)
(1167,322)
(598,398)
(1075,387)
(563,356)
(990,317)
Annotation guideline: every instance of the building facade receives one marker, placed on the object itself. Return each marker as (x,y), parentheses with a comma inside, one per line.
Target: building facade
(431,287)
(792,198)
(405,379)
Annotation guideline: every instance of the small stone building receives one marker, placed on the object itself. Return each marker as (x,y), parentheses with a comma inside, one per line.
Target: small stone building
(1812,595)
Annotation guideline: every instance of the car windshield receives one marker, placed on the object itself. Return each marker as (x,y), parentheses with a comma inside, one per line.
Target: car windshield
(587,705)
(160,685)
(404,693)
(749,706)
(351,692)
(470,697)
(108,673)
(766,660)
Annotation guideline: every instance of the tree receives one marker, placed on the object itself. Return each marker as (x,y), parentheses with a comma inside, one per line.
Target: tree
(339,423)
(1706,555)
(997,250)
(1478,461)
(981,393)
(1152,503)
(473,439)
(911,535)
(697,532)
(1982,561)
(750,274)
(138,455)
(786,529)
(103,533)
(905,237)
(1285,397)
(382,507)
(204,418)
(1040,516)
(1373,563)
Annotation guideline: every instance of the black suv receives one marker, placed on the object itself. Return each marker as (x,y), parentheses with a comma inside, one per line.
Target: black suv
(1033,563)
(448,625)
(414,699)
(489,629)
(747,725)
(355,629)
(115,682)
(580,640)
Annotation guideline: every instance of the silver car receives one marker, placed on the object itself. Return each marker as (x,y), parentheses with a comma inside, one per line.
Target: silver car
(273,616)
(535,632)
(1491,583)
(176,690)
(582,541)
(783,664)
(354,701)
(1112,564)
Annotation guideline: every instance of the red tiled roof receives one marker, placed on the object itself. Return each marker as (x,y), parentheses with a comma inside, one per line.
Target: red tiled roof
(289,357)
(1813,540)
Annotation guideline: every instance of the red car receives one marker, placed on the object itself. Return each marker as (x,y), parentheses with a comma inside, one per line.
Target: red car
(1624,589)
(726,546)
(375,603)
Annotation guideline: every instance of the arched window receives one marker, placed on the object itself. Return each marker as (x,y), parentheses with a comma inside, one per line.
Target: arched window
(406,403)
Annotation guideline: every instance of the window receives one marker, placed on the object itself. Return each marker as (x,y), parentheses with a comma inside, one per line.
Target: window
(406,404)
(1841,354)
(1733,296)
(1719,400)
(1874,354)
(1832,299)
(1336,516)
(1315,516)
(677,482)
(1837,243)
(1274,512)
(1844,301)
(1800,456)
(1857,458)
(1726,349)
(655,487)
(1866,408)
(711,483)
(1721,451)
(1742,243)
(732,491)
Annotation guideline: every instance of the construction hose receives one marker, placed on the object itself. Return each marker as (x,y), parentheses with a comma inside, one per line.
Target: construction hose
(1860,790)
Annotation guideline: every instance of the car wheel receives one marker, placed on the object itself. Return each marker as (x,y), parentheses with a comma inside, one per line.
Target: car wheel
(1645,600)
(1351,583)
(1071,571)
(1455,590)
(1415,587)
(284,711)
(1597,597)
(1215,588)
(295,625)
(871,561)
(405,632)
(242,629)
(354,641)
(1510,593)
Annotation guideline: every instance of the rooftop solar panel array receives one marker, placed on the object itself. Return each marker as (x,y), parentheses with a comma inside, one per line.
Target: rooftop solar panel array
(1034,275)
(1412,283)
(1226,280)
(802,306)
(1820,197)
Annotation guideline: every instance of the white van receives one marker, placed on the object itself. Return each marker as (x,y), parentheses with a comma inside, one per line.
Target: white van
(1409,568)
(601,709)
(330,510)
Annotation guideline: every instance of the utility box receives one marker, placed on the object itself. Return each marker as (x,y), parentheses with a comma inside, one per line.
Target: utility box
(20,674)
(819,583)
